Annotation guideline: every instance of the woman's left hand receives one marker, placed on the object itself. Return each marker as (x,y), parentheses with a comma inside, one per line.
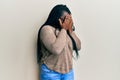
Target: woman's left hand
(71,23)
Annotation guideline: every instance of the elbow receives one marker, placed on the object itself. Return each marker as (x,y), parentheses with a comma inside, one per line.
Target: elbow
(79,46)
(57,52)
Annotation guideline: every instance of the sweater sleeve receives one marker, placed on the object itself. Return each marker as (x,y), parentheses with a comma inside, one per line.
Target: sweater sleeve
(77,40)
(54,44)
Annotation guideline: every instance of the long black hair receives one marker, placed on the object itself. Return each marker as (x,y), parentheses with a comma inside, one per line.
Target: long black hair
(53,21)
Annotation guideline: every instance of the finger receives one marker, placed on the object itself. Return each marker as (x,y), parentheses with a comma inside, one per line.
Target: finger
(68,16)
(60,21)
(66,21)
(71,20)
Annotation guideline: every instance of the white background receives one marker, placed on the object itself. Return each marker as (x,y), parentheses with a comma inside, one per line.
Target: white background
(97,25)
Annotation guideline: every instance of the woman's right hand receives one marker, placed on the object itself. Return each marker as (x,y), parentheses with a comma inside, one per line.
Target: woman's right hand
(66,22)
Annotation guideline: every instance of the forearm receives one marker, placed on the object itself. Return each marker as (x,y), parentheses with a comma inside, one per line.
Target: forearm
(54,44)
(60,42)
(77,40)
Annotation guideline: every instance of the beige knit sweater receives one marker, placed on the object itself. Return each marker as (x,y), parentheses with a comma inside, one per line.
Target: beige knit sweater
(57,48)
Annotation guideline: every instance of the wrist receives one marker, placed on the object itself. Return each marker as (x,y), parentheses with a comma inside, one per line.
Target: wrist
(63,30)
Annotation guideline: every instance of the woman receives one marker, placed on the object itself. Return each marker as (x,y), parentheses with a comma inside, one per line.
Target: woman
(55,45)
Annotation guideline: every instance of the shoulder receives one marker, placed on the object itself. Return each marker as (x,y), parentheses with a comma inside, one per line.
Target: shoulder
(47,30)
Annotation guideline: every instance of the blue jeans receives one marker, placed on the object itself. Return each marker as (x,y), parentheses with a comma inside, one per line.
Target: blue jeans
(47,74)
